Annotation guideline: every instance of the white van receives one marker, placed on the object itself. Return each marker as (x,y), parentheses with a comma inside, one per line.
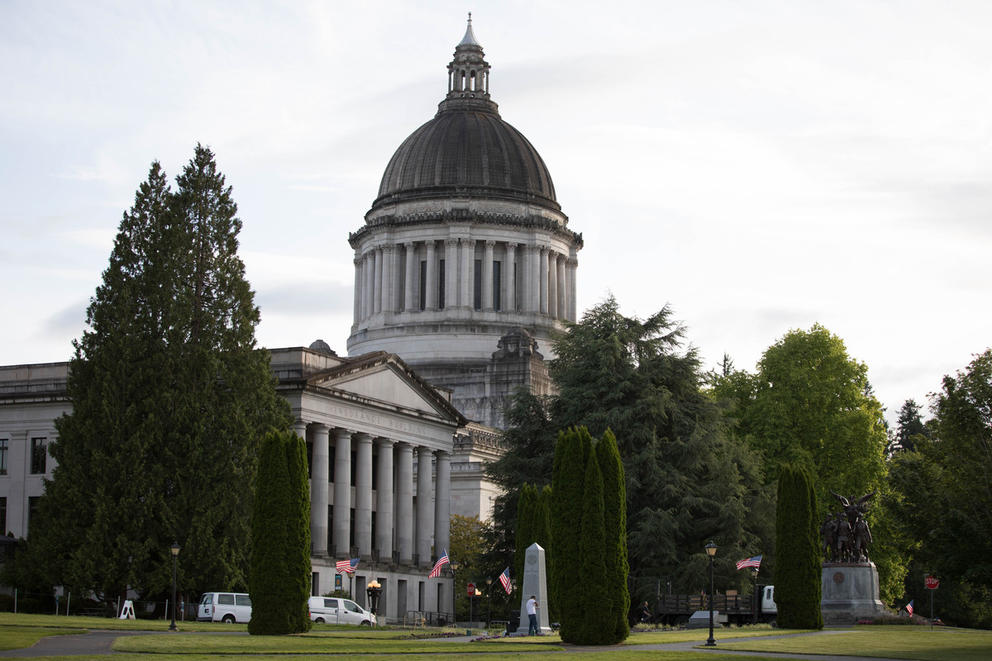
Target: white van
(339,611)
(224,607)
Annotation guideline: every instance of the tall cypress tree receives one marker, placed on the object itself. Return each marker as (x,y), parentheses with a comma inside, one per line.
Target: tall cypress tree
(616,590)
(797,570)
(594,617)
(170,398)
(567,485)
(526,505)
(280,548)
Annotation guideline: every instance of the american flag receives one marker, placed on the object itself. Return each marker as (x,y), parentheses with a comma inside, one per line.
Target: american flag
(504,578)
(347,566)
(441,562)
(754,561)
(909,607)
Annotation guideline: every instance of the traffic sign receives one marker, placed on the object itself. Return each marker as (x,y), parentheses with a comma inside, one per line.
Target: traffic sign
(470,588)
(932,582)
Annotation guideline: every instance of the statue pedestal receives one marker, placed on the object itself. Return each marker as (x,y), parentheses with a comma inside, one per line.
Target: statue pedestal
(849,592)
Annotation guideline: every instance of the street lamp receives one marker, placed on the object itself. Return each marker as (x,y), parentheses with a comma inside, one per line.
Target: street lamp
(757,595)
(374,590)
(711,551)
(175,554)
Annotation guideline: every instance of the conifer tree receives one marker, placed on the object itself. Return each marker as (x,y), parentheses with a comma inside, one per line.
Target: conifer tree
(571,455)
(594,617)
(616,592)
(280,548)
(170,399)
(797,571)
(526,506)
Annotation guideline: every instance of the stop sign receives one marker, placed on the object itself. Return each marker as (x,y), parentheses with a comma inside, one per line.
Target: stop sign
(932,582)
(470,588)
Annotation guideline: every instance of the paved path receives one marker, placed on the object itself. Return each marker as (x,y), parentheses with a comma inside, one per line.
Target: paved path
(101,642)
(94,642)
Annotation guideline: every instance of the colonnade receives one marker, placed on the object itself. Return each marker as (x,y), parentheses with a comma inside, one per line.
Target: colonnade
(396,537)
(433,275)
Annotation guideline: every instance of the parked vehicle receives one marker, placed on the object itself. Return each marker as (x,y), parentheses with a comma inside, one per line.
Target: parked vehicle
(676,609)
(339,611)
(224,607)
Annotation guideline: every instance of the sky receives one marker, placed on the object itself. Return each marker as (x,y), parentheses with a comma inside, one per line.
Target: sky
(759,166)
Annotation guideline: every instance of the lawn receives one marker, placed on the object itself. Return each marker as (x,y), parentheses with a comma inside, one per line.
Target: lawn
(16,637)
(894,642)
(91,623)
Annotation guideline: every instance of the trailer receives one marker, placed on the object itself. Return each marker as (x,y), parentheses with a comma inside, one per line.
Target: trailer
(676,609)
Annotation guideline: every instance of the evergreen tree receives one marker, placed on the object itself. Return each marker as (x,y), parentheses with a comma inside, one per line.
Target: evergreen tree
(797,573)
(567,486)
(594,621)
(616,593)
(298,539)
(909,427)
(526,506)
(170,398)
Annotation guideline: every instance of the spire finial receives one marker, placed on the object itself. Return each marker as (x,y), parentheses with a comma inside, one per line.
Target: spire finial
(470,18)
(469,38)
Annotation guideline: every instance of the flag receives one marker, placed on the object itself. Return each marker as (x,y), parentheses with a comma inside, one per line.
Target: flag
(754,561)
(347,566)
(441,562)
(909,607)
(504,578)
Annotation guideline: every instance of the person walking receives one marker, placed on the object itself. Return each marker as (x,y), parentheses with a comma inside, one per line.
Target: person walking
(532,629)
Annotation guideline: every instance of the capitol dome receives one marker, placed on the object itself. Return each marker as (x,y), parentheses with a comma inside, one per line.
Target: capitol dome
(467,150)
(464,251)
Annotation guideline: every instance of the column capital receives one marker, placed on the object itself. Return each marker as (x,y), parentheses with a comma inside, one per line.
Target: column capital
(388,248)
(409,245)
(362,437)
(490,243)
(383,442)
(451,242)
(319,427)
(572,261)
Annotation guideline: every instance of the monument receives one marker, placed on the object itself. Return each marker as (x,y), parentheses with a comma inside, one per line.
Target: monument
(535,583)
(849,579)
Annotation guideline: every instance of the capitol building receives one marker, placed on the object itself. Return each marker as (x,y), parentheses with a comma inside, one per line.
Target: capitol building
(464,268)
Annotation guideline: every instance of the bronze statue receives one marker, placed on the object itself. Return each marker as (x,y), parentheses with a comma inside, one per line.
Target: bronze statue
(846,535)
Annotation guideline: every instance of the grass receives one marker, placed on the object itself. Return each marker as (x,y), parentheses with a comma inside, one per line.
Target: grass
(894,642)
(700,635)
(103,623)
(18,637)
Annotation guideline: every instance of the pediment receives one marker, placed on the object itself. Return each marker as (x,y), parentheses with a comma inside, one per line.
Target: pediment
(389,382)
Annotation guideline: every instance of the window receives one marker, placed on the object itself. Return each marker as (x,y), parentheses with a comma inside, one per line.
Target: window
(39,451)
(477,286)
(32,508)
(3,456)
(3,514)
(351,606)
(242,600)
(497,285)
(225,599)
(440,285)
(423,285)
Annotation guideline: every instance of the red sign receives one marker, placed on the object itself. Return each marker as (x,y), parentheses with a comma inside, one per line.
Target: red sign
(470,588)
(932,582)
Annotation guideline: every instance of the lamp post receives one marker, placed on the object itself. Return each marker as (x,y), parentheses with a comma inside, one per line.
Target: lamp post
(757,596)
(711,551)
(373,591)
(175,554)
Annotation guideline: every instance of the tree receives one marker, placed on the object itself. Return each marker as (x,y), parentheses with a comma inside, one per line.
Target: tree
(280,550)
(567,487)
(909,426)
(527,506)
(616,591)
(593,623)
(466,547)
(797,574)
(170,399)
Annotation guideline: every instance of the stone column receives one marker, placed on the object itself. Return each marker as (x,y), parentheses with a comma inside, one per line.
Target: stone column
(552,283)
(388,277)
(542,275)
(377,295)
(358,290)
(384,501)
(404,501)
(534,277)
(450,273)
(509,282)
(412,272)
(363,495)
(571,268)
(342,493)
(468,273)
(431,284)
(425,510)
(442,502)
(317,436)
(562,288)
(369,283)
(487,276)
